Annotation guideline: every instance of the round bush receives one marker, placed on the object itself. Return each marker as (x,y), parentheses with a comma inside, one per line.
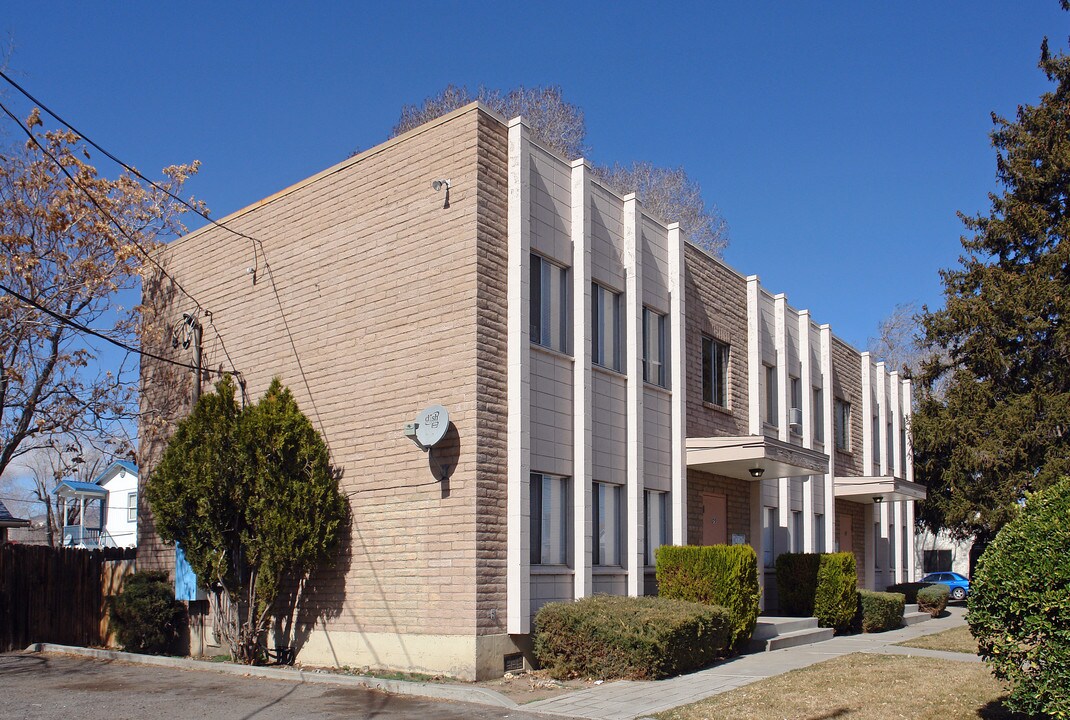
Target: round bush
(146,614)
(1019,604)
(933,599)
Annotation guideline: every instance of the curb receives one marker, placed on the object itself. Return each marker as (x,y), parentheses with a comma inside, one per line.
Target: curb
(435,691)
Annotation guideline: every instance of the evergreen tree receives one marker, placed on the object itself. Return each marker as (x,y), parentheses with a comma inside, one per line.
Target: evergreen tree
(1002,427)
(251,496)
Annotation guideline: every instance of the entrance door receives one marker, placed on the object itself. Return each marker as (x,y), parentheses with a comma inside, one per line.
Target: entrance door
(844,533)
(714,520)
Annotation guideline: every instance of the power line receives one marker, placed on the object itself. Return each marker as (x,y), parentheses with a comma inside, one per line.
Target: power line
(134,170)
(97,205)
(118,343)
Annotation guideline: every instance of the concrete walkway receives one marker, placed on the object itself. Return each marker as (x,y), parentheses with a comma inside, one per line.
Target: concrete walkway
(626,699)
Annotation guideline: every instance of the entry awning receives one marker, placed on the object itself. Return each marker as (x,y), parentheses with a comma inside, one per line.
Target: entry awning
(742,457)
(75,488)
(866,489)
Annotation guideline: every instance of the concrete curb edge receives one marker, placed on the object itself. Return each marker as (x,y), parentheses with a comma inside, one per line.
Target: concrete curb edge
(481,696)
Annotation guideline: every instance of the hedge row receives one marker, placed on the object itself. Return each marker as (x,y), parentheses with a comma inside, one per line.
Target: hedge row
(909,590)
(933,599)
(822,585)
(640,638)
(722,575)
(880,611)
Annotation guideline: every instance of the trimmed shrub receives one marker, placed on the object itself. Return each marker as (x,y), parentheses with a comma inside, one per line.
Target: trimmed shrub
(909,590)
(836,597)
(822,585)
(722,575)
(638,638)
(933,599)
(146,614)
(880,611)
(1019,604)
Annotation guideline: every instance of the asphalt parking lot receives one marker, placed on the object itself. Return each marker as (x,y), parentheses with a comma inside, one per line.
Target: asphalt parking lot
(62,687)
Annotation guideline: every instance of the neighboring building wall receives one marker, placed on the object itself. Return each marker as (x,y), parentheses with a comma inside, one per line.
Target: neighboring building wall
(121,530)
(939,553)
(372,301)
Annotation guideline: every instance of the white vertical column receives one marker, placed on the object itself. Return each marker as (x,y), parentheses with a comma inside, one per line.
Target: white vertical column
(905,400)
(780,340)
(895,393)
(882,416)
(828,401)
(757,537)
(518,573)
(866,368)
(912,553)
(633,320)
(871,545)
(582,443)
(754,358)
(678,383)
(908,411)
(882,553)
(898,516)
(806,380)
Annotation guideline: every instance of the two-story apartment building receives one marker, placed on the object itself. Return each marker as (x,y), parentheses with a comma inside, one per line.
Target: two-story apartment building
(611,388)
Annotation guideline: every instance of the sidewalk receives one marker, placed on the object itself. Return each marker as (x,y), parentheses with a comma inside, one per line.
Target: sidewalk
(627,699)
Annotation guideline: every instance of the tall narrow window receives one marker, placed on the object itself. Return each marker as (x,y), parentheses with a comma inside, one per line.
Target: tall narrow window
(891,546)
(771,408)
(549,519)
(714,372)
(606,511)
(819,533)
(656,522)
(549,305)
(903,449)
(843,424)
(769,524)
(655,345)
(889,450)
(876,445)
(795,414)
(605,327)
(796,531)
(131,507)
(819,416)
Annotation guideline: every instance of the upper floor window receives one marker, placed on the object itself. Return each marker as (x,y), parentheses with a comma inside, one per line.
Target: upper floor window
(655,348)
(842,420)
(876,445)
(714,372)
(795,414)
(549,519)
(889,450)
(550,306)
(819,416)
(605,327)
(771,408)
(131,507)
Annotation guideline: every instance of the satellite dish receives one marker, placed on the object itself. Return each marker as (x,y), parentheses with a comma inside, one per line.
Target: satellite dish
(431,425)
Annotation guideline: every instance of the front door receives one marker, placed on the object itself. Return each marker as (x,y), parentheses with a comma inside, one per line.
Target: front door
(714,520)
(844,533)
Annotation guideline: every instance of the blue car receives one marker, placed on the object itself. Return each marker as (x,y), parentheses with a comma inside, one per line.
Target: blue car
(959,585)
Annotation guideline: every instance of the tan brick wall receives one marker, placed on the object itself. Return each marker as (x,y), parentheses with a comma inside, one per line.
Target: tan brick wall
(716,306)
(371,302)
(737,496)
(847,385)
(845,508)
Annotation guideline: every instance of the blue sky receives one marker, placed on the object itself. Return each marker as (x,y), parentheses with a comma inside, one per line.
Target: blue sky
(838,139)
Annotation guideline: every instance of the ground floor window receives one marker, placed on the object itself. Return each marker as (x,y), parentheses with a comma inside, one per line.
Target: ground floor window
(796,531)
(607,514)
(769,523)
(656,522)
(819,533)
(549,519)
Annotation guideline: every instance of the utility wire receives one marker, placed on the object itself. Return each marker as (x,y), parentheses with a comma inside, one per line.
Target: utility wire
(118,343)
(96,204)
(134,170)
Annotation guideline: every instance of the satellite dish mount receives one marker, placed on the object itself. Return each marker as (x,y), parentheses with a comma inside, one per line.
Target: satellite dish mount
(428,430)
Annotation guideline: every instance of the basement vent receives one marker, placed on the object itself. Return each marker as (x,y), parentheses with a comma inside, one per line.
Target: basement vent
(514,662)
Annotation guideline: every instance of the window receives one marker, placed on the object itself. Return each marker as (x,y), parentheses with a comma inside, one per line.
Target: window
(550,307)
(891,546)
(889,451)
(769,524)
(656,521)
(876,445)
(549,520)
(903,449)
(771,411)
(605,327)
(819,533)
(131,507)
(796,531)
(606,524)
(795,417)
(819,416)
(842,420)
(714,372)
(655,347)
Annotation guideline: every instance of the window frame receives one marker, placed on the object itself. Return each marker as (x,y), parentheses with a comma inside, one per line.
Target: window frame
(818,409)
(599,520)
(131,506)
(772,392)
(841,420)
(661,346)
(598,325)
(769,525)
(539,520)
(542,304)
(661,512)
(715,366)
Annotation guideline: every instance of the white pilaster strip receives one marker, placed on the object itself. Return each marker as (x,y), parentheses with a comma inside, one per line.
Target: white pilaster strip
(633,319)
(882,417)
(900,533)
(866,368)
(780,340)
(754,358)
(895,394)
(806,380)
(518,574)
(908,411)
(582,442)
(828,401)
(912,555)
(678,383)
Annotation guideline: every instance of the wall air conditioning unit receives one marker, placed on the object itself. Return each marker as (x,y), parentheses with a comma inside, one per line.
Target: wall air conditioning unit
(795,419)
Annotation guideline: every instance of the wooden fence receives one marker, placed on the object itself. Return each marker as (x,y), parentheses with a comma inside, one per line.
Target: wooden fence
(58,595)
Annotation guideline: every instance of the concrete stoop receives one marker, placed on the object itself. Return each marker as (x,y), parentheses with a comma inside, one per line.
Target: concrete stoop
(775,633)
(911,616)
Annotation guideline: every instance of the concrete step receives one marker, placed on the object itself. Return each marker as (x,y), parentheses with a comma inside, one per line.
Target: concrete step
(913,618)
(799,637)
(770,626)
(910,608)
